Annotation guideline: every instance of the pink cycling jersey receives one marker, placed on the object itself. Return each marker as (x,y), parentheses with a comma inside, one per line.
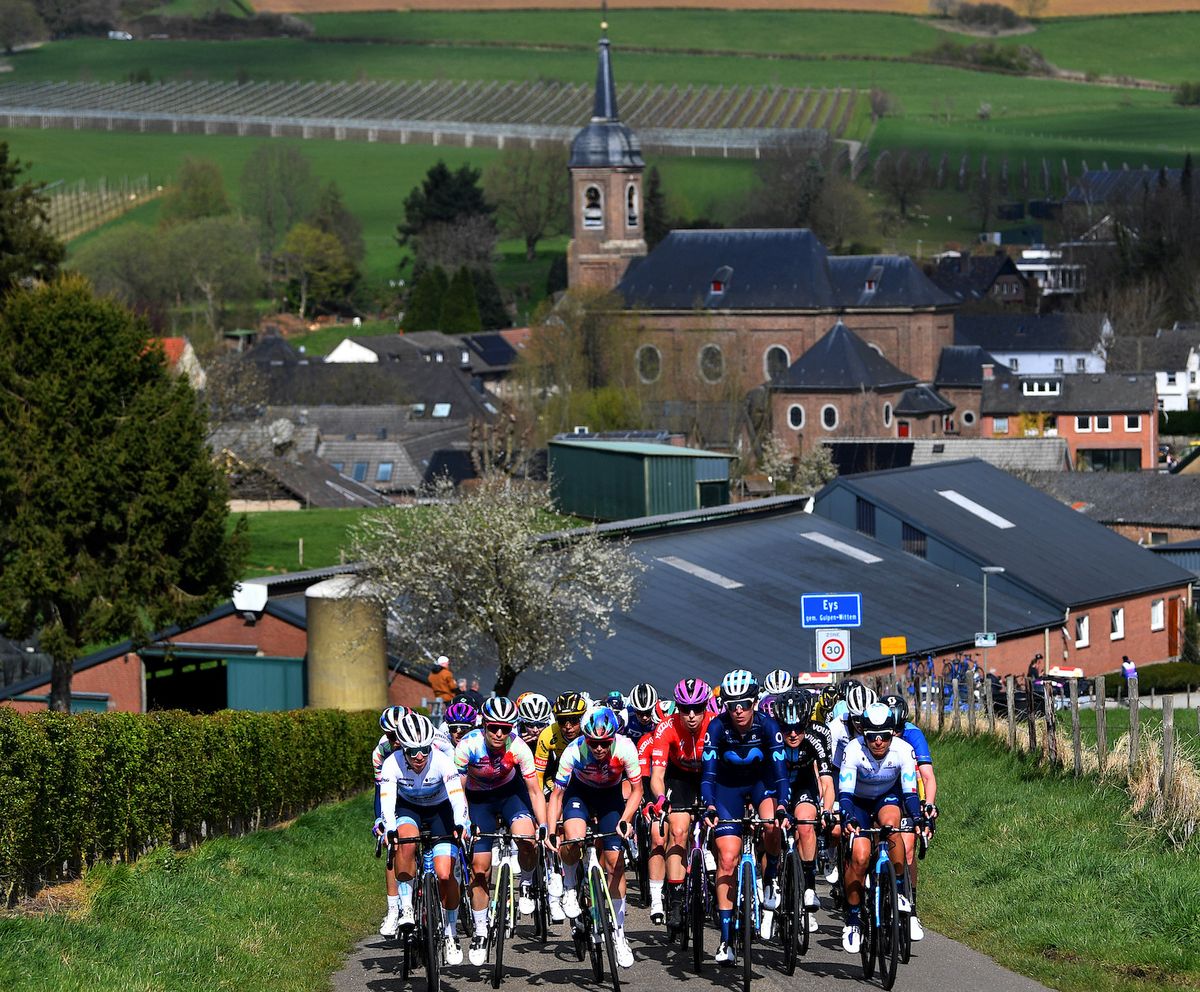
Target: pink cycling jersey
(578,760)
(481,770)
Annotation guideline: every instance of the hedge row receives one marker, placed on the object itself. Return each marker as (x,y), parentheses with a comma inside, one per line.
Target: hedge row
(76,788)
(1170,676)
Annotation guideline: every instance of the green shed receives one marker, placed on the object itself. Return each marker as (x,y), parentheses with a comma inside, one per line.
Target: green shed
(620,480)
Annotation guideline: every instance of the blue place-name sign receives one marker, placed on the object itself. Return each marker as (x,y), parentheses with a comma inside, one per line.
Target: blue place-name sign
(831,609)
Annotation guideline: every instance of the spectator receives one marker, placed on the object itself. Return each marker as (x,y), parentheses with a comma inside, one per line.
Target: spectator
(1033,672)
(1128,669)
(442,681)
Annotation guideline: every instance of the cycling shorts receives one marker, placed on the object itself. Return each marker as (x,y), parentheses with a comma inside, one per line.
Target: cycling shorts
(583,802)
(731,803)
(683,789)
(438,820)
(503,805)
(805,790)
(864,812)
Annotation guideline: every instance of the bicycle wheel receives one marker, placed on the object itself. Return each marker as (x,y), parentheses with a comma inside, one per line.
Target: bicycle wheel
(643,860)
(866,922)
(433,931)
(746,889)
(793,919)
(607,929)
(910,891)
(500,921)
(887,940)
(541,907)
(595,934)
(696,887)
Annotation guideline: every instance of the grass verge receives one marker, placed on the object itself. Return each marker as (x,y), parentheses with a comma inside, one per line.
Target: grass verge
(275,910)
(1055,879)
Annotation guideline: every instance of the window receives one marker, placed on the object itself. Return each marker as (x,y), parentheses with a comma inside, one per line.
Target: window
(1058,365)
(968,417)
(887,414)
(1103,422)
(441,410)
(384,472)
(712,363)
(1083,424)
(1191,377)
(593,208)
(864,516)
(1159,537)
(1013,364)
(631,205)
(717,287)
(1170,378)
(776,362)
(870,286)
(1158,615)
(913,541)
(359,473)
(1081,365)
(1133,422)
(649,363)
(795,416)
(829,416)
(999,425)
(1116,623)
(1081,631)
(1041,387)
(417,409)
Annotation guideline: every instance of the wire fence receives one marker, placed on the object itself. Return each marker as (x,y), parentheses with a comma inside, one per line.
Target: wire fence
(79,208)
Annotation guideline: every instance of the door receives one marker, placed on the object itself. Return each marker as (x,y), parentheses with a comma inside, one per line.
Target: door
(902,428)
(1174,617)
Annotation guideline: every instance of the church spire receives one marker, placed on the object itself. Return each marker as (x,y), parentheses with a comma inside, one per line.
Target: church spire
(604,108)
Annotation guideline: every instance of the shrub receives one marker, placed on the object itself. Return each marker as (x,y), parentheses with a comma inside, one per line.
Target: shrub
(988,55)
(78,788)
(1187,94)
(1171,676)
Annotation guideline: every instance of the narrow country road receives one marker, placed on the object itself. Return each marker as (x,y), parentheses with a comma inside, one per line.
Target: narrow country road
(938,965)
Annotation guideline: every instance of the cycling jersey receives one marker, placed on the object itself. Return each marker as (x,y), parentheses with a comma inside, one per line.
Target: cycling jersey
(548,753)
(382,750)
(813,750)
(580,763)
(839,737)
(676,747)
(636,728)
(735,759)
(916,739)
(443,742)
(645,748)
(865,777)
(483,771)
(434,784)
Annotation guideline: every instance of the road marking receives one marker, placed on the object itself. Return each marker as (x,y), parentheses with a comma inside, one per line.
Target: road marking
(849,550)
(982,512)
(701,573)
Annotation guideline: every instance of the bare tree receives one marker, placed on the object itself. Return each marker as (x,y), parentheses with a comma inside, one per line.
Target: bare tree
(472,575)
(469,241)
(530,190)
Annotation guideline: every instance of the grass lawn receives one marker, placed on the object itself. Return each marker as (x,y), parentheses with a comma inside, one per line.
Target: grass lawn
(275,539)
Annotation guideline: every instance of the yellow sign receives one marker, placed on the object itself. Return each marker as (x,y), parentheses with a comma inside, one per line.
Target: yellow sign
(893,645)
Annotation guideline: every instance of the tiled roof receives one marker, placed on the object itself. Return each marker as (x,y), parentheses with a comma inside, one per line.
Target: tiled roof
(1126,497)
(1165,351)
(962,365)
(841,360)
(921,400)
(1082,393)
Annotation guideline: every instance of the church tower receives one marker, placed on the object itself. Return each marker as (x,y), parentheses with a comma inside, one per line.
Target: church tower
(606,190)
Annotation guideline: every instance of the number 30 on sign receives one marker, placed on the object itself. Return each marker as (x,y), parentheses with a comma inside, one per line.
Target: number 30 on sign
(833,650)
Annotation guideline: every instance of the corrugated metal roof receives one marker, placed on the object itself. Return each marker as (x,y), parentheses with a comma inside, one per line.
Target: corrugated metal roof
(641,448)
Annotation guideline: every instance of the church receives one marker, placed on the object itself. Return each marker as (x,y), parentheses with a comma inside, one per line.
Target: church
(859,345)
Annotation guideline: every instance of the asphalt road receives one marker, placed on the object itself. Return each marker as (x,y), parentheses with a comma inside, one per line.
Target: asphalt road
(938,965)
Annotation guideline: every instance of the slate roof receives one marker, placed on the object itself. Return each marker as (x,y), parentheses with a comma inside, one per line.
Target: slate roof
(1119,185)
(494,352)
(605,142)
(784,269)
(315,483)
(1151,498)
(962,365)
(841,360)
(1165,351)
(1081,393)
(1029,332)
(971,277)
(920,401)
(1051,550)
(853,455)
(271,349)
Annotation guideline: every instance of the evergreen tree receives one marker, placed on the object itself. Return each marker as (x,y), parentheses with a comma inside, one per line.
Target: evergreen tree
(27,249)
(657,226)
(112,510)
(443,197)
(493,314)
(424,309)
(460,311)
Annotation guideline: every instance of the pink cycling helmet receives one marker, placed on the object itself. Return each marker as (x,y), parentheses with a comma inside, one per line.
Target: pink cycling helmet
(714,705)
(692,692)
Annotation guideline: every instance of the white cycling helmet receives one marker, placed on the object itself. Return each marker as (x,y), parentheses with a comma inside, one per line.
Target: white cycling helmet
(777,682)
(878,718)
(642,697)
(859,698)
(738,684)
(534,708)
(390,718)
(415,731)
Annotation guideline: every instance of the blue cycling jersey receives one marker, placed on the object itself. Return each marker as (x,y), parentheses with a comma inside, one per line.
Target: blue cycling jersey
(636,728)
(734,759)
(916,739)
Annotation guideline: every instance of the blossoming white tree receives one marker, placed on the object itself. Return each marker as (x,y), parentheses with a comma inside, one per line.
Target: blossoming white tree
(476,576)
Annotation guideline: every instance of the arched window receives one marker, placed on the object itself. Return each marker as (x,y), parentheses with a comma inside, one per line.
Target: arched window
(776,362)
(887,414)
(829,416)
(632,207)
(795,416)
(649,363)
(968,417)
(593,208)
(712,363)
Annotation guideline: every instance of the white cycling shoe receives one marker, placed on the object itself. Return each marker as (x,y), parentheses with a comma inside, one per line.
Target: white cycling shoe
(624,951)
(851,938)
(658,912)
(831,876)
(725,955)
(454,953)
(915,931)
(479,949)
(810,899)
(770,896)
(556,909)
(407,917)
(570,904)
(525,903)
(391,923)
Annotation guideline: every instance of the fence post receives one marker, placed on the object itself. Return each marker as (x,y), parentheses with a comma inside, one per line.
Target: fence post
(971,705)
(1100,704)
(1051,727)
(941,695)
(916,707)
(1134,723)
(956,717)
(1168,745)
(1031,716)
(991,706)
(1010,686)
(1076,743)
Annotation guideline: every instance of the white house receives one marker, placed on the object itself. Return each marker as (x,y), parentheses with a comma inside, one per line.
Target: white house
(1039,344)
(1172,354)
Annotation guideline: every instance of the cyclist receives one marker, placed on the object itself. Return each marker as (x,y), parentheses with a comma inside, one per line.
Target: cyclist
(858,697)
(656,860)
(743,761)
(926,787)
(420,790)
(458,721)
(640,719)
(588,784)
(807,750)
(501,784)
(533,715)
(775,684)
(676,760)
(389,721)
(568,710)
(878,774)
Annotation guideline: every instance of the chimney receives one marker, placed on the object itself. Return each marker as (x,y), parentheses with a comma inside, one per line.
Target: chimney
(989,371)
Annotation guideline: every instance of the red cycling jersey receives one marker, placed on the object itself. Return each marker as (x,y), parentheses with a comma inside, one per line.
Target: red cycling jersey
(677,747)
(644,747)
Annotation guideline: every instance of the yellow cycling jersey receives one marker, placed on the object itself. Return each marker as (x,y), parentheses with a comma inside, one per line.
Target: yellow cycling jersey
(550,747)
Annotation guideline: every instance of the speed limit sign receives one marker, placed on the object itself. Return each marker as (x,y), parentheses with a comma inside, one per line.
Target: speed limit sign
(833,650)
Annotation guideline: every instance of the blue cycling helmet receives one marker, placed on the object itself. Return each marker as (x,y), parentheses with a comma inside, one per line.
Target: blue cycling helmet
(601,722)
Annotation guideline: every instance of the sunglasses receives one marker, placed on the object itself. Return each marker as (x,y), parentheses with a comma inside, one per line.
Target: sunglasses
(599,741)
(568,721)
(692,709)
(875,736)
(498,728)
(416,752)
(539,727)
(740,704)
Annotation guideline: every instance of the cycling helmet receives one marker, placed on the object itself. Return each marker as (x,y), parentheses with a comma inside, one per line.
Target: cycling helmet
(415,731)
(692,692)
(899,707)
(500,709)
(664,709)
(569,704)
(601,722)
(461,715)
(829,696)
(794,709)
(714,705)
(389,719)
(777,682)
(738,685)
(877,718)
(533,707)
(844,687)
(859,698)
(614,701)
(642,697)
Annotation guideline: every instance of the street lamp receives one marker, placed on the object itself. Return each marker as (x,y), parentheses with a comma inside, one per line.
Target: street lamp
(987,570)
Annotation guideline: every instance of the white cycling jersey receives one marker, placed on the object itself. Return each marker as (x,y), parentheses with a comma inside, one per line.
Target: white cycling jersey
(442,741)
(864,776)
(432,785)
(839,737)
